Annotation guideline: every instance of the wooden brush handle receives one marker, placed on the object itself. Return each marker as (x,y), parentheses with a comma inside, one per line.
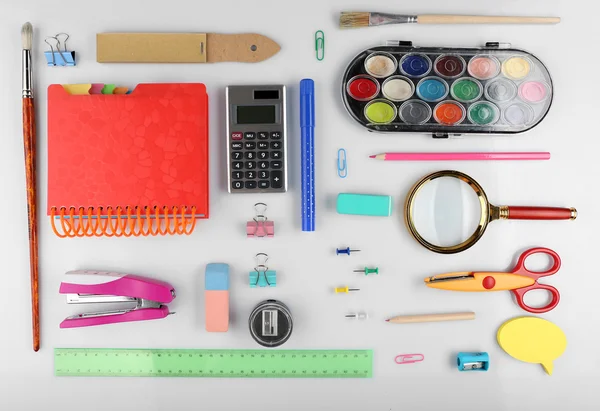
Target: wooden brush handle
(29,140)
(451,19)
(405,319)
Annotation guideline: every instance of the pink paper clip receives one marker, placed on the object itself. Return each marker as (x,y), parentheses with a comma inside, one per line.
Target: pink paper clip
(260,226)
(409,358)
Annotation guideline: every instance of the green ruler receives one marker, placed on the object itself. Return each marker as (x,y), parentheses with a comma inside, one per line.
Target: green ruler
(91,362)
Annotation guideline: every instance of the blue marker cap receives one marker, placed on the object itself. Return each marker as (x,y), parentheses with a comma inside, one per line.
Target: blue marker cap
(307,103)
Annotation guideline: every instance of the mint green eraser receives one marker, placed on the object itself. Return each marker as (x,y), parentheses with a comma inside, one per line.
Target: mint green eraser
(364,204)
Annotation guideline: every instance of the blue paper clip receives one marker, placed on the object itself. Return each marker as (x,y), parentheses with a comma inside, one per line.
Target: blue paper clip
(59,57)
(342,164)
(262,276)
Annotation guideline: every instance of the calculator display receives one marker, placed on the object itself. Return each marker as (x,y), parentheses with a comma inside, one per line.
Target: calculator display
(255,114)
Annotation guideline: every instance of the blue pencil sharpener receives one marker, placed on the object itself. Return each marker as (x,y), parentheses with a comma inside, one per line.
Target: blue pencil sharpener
(473,361)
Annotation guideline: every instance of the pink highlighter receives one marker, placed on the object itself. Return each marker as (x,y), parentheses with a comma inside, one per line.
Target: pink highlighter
(216,294)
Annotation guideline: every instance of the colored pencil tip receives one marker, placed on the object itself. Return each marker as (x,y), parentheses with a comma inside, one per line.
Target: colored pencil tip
(373,156)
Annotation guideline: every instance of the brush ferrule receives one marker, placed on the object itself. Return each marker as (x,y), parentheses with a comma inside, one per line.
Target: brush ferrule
(27,74)
(378,19)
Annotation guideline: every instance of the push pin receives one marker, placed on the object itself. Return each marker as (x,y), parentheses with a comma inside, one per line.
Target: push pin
(262,276)
(345,290)
(260,226)
(473,361)
(368,271)
(346,251)
(358,316)
(59,57)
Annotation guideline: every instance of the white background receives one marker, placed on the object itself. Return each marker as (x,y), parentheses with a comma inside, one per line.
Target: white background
(306,265)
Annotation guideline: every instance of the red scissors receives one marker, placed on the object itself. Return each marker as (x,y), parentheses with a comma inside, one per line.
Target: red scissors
(520,281)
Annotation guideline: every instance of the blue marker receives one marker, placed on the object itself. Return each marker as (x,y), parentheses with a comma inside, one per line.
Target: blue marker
(307,148)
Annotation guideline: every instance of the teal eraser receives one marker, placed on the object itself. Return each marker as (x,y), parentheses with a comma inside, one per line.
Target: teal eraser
(364,204)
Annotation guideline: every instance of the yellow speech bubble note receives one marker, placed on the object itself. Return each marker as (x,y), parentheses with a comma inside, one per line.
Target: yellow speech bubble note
(533,340)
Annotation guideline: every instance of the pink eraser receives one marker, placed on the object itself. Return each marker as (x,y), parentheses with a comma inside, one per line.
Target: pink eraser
(216,295)
(217,311)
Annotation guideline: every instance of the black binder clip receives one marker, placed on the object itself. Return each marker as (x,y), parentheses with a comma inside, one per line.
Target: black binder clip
(57,57)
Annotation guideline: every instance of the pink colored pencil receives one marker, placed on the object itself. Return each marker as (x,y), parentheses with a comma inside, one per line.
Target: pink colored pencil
(462,156)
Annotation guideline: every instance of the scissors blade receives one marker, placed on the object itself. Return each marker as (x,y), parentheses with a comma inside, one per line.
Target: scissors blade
(448,277)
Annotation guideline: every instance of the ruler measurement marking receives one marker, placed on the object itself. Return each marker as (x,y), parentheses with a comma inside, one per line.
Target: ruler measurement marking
(214,363)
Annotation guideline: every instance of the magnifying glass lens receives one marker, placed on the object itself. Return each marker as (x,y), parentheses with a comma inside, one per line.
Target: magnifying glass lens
(446,211)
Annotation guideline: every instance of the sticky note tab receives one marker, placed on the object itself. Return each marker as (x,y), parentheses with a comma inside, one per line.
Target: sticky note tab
(108,89)
(77,89)
(96,88)
(364,204)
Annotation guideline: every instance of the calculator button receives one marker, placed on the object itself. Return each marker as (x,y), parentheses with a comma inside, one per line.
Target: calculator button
(249,145)
(236,146)
(250,165)
(276,164)
(250,155)
(263,155)
(263,145)
(263,174)
(276,179)
(250,184)
(276,145)
(237,165)
(236,155)
(250,135)
(276,155)
(263,184)
(275,135)
(250,175)
(263,165)
(237,175)
(263,135)
(236,185)
(236,135)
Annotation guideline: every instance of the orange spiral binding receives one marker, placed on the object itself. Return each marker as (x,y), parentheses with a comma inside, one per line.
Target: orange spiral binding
(119,222)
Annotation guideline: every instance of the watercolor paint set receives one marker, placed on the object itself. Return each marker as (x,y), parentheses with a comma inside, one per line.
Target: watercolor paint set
(447,91)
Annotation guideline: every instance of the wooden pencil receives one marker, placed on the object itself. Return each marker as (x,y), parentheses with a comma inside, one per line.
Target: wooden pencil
(405,319)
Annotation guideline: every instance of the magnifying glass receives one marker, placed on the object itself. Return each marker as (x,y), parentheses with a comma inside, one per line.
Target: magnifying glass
(447,212)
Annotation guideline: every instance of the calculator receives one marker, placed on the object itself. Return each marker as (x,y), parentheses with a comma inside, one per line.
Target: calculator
(256,139)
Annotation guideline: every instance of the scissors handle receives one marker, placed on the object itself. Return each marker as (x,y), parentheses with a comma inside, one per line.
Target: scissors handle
(520,294)
(522,270)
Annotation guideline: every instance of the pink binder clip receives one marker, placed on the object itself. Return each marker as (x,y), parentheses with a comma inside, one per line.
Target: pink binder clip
(260,226)
(409,358)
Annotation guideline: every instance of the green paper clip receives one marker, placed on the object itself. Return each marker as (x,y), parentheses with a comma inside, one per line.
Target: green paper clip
(320,44)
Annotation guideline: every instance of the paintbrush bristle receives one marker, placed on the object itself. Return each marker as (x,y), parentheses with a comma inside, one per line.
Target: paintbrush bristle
(27,36)
(354,19)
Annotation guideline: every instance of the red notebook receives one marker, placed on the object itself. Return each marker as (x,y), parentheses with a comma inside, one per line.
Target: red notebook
(128,164)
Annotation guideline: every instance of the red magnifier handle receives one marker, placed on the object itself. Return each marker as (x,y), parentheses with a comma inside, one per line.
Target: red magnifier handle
(541,213)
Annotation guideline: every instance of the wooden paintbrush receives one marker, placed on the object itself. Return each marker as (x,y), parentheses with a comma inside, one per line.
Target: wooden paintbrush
(365,19)
(29,142)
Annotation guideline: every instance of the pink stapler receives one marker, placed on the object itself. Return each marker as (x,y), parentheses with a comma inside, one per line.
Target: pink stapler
(145,296)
